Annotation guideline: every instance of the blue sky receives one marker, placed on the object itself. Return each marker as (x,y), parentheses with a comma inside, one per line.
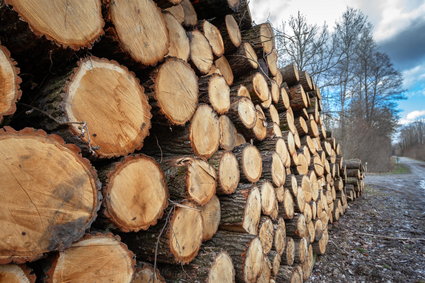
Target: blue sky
(399,31)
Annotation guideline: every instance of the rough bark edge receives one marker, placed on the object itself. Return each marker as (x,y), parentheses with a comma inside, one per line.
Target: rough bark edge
(108,212)
(18,81)
(73,149)
(156,91)
(50,271)
(75,47)
(144,101)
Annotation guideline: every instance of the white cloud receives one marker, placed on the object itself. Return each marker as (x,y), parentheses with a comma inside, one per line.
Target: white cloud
(412,117)
(414,76)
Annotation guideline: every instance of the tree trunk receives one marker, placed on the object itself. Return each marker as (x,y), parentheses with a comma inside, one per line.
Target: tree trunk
(250,162)
(241,211)
(246,253)
(176,239)
(214,90)
(189,178)
(104,256)
(201,54)
(211,265)
(10,81)
(60,203)
(227,168)
(135,192)
(87,107)
(179,42)
(243,60)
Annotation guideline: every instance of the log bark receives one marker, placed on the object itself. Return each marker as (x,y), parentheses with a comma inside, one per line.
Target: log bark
(298,99)
(211,265)
(296,227)
(250,162)
(17,273)
(226,71)
(211,215)
(261,37)
(201,54)
(179,42)
(289,274)
(243,114)
(164,4)
(257,87)
(104,255)
(353,163)
(10,81)
(241,211)
(213,35)
(176,239)
(226,165)
(246,253)
(86,107)
(305,81)
(60,203)
(243,60)
(189,178)
(243,15)
(135,192)
(290,75)
(214,90)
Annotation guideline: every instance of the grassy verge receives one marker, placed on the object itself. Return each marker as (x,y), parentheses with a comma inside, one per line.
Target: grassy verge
(400,169)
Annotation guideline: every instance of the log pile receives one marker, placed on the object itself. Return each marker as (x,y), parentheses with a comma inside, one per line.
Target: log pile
(174,149)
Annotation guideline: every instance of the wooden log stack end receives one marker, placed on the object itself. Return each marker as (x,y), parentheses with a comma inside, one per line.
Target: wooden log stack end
(10,81)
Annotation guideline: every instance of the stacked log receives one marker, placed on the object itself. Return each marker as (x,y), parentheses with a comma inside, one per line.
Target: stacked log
(177,150)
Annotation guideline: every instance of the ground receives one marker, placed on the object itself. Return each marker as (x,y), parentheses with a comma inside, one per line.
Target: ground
(381,238)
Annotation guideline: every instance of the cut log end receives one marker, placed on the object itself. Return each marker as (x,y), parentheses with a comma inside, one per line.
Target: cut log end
(11,273)
(200,52)
(223,65)
(62,200)
(228,133)
(246,112)
(147,273)
(219,94)
(228,173)
(211,215)
(254,261)
(99,91)
(105,256)
(136,193)
(201,181)
(179,42)
(205,131)
(252,212)
(251,163)
(268,199)
(222,269)
(214,38)
(80,29)
(175,76)
(261,88)
(233,30)
(9,83)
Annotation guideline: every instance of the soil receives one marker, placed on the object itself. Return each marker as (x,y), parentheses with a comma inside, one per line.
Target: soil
(381,238)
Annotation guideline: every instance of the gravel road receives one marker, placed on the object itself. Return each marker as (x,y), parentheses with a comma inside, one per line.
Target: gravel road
(381,238)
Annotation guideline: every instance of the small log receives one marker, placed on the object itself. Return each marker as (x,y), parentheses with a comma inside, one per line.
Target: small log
(301,250)
(211,265)
(291,184)
(226,71)
(243,60)
(261,37)
(135,192)
(214,90)
(353,163)
(105,256)
(266,233)
(178,242)
(308,263)
(227,168)
(305,81)
(16,273)
(279,242)
(230,33)
(290,74)
(289,274)
(241,211)
(260,129)
(257,87)
(297,97)
(250,162)
(266,271)
(228,133)
(213,35)
(10,81)
(320,246)
(272,114)
(268,199)
(245,251)
(211,215)
(272,62)
(286,208)
(189,178)
(289,255)
(275,260)
(200,52)
(243,114)
(273,168)
(178,12)
(179,42)
(296,227)
(145,273)
(190,16)
(60,203)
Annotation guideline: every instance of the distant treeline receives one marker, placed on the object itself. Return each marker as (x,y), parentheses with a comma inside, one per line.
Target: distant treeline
(412,140)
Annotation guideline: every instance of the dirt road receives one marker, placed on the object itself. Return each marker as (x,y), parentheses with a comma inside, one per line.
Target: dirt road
(381,238)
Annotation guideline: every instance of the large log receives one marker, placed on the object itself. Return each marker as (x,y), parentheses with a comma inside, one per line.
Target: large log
(245,251)
(296,227)
(189,178)
(200,52)
(211,265)
(16,274)
(94,258)
(50,194)
(10,83)
(241,211)
(176,239)
(129,33)
(134,191)
(88,105)
(179,42)
(227,168)
(250,162)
